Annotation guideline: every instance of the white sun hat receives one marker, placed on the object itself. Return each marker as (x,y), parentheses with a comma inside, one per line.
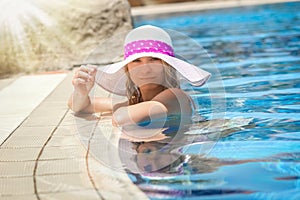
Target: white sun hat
(147,41)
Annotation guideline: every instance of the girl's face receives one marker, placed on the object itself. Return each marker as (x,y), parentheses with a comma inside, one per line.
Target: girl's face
(151,157)
(146,71)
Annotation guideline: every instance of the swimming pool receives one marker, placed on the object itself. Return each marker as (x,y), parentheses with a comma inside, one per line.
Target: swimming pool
(256,50)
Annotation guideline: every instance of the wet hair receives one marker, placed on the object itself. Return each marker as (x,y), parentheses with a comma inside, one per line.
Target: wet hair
(133,92)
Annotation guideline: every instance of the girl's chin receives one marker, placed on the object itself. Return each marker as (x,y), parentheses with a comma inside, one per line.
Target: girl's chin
(150,86)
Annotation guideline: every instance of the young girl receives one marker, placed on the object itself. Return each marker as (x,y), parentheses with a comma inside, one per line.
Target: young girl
(147,76)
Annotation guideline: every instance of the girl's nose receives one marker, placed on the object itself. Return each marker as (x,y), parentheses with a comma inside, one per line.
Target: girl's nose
(146,66)
(144,69)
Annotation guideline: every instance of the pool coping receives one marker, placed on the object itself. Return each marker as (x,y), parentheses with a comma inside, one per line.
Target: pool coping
(45,158)
(198,6)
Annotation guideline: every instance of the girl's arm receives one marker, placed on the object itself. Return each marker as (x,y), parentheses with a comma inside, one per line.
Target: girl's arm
(86,104)
(80,101)
(170,101)
(143,111)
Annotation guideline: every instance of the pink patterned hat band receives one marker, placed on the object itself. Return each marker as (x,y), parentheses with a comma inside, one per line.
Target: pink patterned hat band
(147,46)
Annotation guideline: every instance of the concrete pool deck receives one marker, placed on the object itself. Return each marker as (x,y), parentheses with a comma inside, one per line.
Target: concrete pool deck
(41,156)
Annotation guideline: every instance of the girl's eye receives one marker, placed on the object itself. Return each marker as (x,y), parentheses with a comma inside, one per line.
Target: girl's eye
(136,60)
(147,151)
(155,59)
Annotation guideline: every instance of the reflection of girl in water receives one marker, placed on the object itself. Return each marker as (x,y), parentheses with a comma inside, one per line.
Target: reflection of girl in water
(165,156)
(155,157)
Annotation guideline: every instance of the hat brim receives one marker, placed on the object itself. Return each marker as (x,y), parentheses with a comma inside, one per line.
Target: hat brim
(113,77)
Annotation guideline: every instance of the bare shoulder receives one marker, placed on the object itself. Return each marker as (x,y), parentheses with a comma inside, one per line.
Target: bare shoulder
(171,93)
(175,100)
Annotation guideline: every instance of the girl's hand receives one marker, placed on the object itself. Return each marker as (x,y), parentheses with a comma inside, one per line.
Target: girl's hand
(84,79)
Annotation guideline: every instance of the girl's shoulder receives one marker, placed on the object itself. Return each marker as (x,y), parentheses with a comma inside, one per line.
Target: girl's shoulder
(174,97)
(173,93)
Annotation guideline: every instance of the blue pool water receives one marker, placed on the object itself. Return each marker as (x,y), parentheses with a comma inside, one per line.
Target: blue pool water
(256,50)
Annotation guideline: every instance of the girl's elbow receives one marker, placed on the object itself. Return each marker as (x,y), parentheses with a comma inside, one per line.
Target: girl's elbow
(119,117)
(74,108)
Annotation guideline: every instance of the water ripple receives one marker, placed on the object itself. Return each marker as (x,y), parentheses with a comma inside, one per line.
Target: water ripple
(256,94)
(257,61)
(247,80)
(245,149)
(265,115)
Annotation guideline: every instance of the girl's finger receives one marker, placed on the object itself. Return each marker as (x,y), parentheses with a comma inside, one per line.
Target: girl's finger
(83,75)
(91,69)
(84,68)
(78,81)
